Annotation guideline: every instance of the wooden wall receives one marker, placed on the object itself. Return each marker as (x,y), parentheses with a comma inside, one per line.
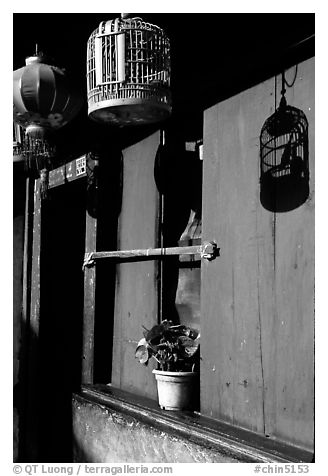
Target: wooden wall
(136,299)
(257,309)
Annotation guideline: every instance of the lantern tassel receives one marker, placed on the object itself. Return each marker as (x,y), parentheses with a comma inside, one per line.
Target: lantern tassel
(37,150)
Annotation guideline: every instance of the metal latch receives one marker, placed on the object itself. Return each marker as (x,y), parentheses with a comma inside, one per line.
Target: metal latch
(209,251)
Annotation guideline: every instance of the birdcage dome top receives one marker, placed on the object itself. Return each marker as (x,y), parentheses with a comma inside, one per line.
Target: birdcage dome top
(284,121)
(123,23)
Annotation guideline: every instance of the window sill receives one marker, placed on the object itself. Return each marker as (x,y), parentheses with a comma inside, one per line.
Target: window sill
(231,441)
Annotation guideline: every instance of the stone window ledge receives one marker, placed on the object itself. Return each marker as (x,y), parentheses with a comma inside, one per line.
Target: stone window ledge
(228,440)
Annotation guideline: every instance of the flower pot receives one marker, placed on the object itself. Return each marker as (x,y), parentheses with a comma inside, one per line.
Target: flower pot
(175,389)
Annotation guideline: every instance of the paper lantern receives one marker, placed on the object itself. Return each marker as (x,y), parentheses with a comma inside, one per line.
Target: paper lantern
(44,101)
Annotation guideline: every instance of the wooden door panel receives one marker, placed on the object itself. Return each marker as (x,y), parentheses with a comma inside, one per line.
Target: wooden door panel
(292,409)
(232,367)
(136,302)
(257,297)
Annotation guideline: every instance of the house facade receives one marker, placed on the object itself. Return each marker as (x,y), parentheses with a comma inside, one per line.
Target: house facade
(80,393)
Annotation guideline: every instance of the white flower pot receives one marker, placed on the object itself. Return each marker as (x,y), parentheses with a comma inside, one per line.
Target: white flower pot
(175,389)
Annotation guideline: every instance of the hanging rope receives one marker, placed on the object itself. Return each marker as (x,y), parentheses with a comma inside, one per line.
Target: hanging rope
(290,85)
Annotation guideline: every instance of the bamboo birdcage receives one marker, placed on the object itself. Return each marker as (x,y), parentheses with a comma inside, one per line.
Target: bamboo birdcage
(284,141)
(284,152)
(128,72)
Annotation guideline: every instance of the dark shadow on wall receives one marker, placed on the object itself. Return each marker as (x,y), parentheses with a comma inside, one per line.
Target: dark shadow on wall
(50,369)
(61,316)
(178,176)
(50,360)
(285,193)
(108,209)
(284,153)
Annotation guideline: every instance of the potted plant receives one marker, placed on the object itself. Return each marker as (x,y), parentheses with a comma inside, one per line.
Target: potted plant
(176,350)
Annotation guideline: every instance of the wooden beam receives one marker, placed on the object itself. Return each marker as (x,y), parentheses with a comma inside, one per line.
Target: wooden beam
(25,319)
(27,251)
(206,250)
(89,303)
(69,172)
(33,389)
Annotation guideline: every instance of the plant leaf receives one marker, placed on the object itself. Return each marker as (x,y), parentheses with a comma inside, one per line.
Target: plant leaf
(190,345)
(142,353)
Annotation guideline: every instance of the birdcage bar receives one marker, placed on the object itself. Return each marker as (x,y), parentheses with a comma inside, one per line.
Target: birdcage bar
(136,55)
(120,61)
(105,60)
(142,56)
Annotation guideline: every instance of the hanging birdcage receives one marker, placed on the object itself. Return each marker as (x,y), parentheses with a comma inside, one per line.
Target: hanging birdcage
(128,72)
(284,142)
(284,151)
(44,101)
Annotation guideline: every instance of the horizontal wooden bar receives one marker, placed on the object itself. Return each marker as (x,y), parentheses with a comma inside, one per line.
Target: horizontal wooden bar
(190,258)
(206,250)
(186,250)
(68,172)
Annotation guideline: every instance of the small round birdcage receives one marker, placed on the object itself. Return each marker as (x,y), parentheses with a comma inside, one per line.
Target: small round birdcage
(284,142)
(284,151)
(128,72)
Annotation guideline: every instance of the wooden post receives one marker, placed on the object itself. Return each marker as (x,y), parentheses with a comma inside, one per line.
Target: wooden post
(89,303)
(33,377)
(28,228)
(25,319)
